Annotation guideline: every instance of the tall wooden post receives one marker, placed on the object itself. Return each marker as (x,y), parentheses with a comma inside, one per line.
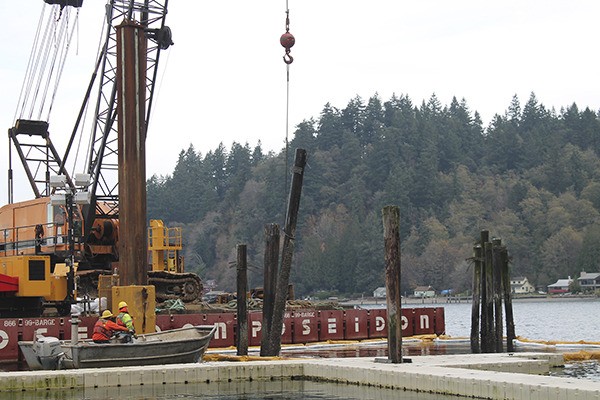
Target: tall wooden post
(391,235)
(488,303)
(242,309)
(510,323)
(497,281)
(131,105)
(475,305)
(269,285)
(283,279)
(485,235)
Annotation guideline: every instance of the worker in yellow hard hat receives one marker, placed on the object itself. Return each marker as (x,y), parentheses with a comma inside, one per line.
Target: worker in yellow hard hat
(105,328)
(124,319)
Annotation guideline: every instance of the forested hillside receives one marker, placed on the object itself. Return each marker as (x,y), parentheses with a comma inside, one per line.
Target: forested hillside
(532,178)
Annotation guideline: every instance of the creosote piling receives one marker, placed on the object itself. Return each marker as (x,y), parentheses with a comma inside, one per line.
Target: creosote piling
(491,284)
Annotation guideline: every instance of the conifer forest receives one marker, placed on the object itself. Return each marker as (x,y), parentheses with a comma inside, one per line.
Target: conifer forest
(531,177)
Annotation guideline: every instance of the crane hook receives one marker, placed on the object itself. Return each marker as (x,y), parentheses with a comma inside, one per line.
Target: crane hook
(287,58)
(287,40)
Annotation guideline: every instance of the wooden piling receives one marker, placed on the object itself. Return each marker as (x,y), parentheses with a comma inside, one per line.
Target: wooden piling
(484,341)
(475,305)
(131,91)
(287,252)
(269,286)
(391,234)
(497,298)
(242,309)
(510,323)
(492,278)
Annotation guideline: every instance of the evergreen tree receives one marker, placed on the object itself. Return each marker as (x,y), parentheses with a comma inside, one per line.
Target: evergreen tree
(373,121)
(216,162)
(352,117)
(330,127)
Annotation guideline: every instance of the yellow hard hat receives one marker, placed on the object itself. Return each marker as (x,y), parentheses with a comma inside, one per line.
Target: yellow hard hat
(107,314)
(122,304)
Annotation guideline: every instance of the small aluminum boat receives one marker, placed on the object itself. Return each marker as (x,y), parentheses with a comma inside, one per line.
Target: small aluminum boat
(176,346)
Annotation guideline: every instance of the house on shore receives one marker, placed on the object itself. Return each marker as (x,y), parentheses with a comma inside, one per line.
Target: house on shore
(560,286)
(424,291)
(589,281)
(521,285)
(380,292)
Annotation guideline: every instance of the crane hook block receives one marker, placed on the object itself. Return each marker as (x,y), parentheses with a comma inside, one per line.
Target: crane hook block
(287,40)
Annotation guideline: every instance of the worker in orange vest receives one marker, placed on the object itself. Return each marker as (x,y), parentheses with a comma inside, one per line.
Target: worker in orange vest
(105,328)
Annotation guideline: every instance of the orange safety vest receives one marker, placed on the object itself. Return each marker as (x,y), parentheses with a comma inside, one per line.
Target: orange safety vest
(104,329)
(101,332)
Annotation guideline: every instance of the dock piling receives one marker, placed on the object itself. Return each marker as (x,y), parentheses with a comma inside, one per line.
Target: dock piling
(391,234)
(491,284)
(242,308)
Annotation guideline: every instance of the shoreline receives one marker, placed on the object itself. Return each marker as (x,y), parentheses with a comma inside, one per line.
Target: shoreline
(370,301)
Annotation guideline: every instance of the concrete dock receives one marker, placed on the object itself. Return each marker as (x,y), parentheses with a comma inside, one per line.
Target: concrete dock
(485,376)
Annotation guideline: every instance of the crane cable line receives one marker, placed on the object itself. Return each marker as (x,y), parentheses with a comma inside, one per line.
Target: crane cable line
(287,40)
(24,93)
(46,64)
(64,51)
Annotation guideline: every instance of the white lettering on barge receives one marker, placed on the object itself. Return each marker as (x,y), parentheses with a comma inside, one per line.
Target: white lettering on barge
(39,322)
(3,339)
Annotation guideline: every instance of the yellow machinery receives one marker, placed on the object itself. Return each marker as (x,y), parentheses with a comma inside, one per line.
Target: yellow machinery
(35,232)
(42,230)
(38,227)
(167,271)
(164,245)
(29,282)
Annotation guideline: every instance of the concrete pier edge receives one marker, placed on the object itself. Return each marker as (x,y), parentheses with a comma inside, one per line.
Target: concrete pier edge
(486,376)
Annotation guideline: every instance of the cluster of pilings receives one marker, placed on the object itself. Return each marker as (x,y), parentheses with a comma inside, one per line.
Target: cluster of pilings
(491,284)
(276,280)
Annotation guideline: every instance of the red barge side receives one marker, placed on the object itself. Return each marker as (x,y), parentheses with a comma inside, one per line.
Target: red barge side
(300,326)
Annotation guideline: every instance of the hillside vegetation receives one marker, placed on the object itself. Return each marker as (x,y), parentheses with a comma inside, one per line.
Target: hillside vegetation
(532,178)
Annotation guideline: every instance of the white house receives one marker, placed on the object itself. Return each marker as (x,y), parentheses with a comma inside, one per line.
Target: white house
(560,286)
(424,291)
(380,292)
(521,285)
(589,281)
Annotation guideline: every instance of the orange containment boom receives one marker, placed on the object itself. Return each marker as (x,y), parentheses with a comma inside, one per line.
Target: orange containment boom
(8,283)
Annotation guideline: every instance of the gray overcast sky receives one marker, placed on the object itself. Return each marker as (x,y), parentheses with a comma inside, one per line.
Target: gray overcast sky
(224,79)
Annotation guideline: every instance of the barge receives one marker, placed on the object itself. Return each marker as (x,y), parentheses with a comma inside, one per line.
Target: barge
(300,326)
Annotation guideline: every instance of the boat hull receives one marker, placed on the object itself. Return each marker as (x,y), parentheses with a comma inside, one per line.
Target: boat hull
(183,345)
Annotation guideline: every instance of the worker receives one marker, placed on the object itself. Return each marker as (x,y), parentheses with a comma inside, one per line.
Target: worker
(105,328)
(124,319)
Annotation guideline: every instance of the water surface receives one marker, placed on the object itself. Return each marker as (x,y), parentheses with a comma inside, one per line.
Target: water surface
(257,390)
(556,319)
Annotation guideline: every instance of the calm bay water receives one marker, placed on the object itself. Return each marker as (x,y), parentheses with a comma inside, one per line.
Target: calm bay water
(561,319)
